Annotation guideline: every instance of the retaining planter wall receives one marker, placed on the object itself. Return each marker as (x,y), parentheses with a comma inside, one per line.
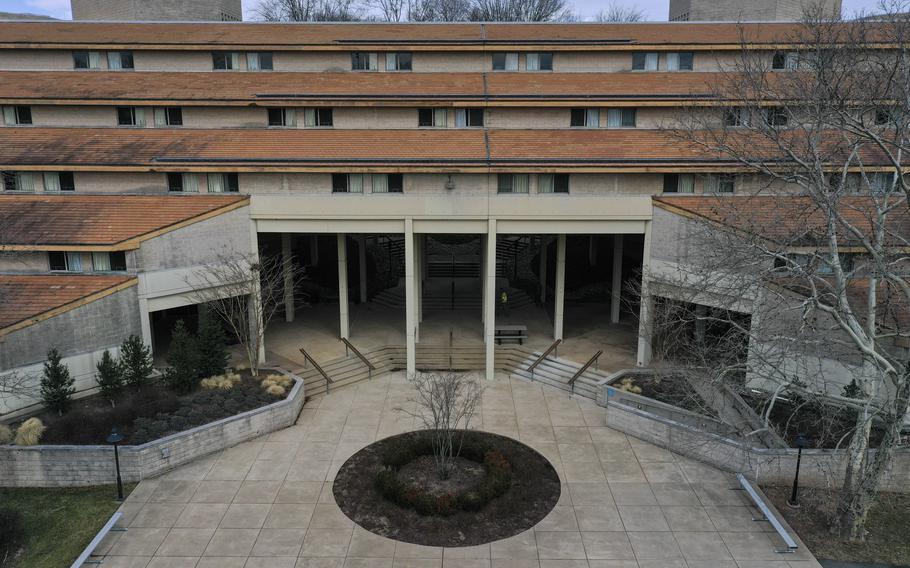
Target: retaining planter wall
(66,466)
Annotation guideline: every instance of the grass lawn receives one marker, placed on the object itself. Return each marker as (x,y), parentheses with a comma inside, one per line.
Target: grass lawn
(888,526)
(59,523)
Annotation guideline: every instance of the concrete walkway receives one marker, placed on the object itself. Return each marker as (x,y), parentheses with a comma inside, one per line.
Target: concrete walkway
(268,503)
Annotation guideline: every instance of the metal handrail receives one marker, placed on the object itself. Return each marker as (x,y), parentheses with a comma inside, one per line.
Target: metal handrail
(316,366)
(348,345)
(540,359)
(581,371)
(90,549)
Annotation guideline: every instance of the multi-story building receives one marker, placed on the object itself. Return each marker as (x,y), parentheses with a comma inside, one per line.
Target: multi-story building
(158,10)
(460,165)
(751,11)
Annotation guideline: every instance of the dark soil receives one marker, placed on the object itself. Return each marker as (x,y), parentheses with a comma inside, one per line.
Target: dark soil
(888,526)
(673,390)
(534,491)
(151,413)
(422,473)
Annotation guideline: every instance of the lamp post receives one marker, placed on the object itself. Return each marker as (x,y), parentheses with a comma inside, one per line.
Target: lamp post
(801,442)
(115,438)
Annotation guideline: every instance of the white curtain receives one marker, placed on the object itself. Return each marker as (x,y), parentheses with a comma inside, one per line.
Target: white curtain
(190,183)
(355,183)
(235,60)
(461,118)
(391,62)
(614,118)
(9,116)
(290,117)
(74,261)
(309,117)
(592,118)
(374,61)
(532,61)
(511,61)
(545,183)
(160,117)
(139,113)
(520,183)
(380,183)
(51,181)
(25,182)
(94,60)
(216,183)
(672,62)
(252,61)
(650,62)
(113,60)
(439,116)
(101,262)
(686,183)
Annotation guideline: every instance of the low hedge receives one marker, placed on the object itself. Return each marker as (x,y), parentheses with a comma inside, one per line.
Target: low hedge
(496,481)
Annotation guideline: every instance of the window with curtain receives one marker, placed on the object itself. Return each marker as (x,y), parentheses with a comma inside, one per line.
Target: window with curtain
(431,117)
(171,116)
(119,60)
(553,183)
(544,183)
(720,183)
(225,60)
(621,118)
(59,181)
(18,181)
(222,183)
(679,183)
(130,116)
(505,61)
(189,183)
(364,61)
(470,117)
(74,261)
(539,61)
(259,61)
(398,61)
(86,60)
(643,61)
(680,61)
(736,117)
(347,183)
(101,262)
(215,183)
(283,117)
(512,183)
(313,117)
(380,183)
(17,115)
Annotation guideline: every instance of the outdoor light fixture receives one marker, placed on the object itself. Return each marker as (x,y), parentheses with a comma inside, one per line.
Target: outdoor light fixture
(115,438)
(801,442)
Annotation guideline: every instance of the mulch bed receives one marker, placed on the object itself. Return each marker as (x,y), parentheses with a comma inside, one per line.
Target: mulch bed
(673,390)
(534,491)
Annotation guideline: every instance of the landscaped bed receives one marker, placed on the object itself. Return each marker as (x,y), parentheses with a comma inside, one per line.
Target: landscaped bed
(666,388)
(498,488)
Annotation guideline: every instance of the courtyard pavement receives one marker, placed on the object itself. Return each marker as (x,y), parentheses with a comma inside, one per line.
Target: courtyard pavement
(268,503)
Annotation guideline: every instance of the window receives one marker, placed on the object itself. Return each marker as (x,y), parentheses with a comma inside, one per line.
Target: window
(259,61)
(398,61)
(884,116)
(505,61)
(130,116)
(87,60)
(363,61)
(66,261)
(59,181)
(585,117)
(621,118)
(313,117)
(512,183)
(539,61)
(644,61)
(388,183)
(820,263)
(432,117)
(553,183)
(117,60)
(223,183)
(720,183)
(347,183)
(17,115)
(109,261)
(468,117)
(785,60)
(225,60)
(681,61)
(736,117)
(188,183)
(21,181)
(282,117)
(881,183)
(679,183)
(171,116)
(776,117)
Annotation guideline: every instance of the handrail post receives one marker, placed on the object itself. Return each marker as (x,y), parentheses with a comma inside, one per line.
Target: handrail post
(543,356)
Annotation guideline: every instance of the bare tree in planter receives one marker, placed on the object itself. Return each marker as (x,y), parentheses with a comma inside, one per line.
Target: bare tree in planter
(826,271)
(245,293)
(444,404)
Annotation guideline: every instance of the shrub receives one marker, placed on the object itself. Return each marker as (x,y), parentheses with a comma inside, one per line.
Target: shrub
(135,362)
(12,535)
(6,434)
(109,377)
(276,390)
(220,382)
(182,360)
(56,383)
(210,342)
(276,379)
(29,432)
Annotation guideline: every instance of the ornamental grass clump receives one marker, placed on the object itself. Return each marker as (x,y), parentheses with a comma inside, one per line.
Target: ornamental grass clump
(29,432)
(277,385)
(226,381)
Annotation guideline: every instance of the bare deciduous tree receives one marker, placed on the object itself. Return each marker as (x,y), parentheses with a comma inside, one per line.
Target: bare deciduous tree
(520,11)
(308,11)
(616,12)
(826,272)
(444,404)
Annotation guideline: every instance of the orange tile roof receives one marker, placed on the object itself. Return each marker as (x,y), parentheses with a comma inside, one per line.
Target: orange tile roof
(263,89)
(192,35)
(43,222)
(787,219)
(27,299)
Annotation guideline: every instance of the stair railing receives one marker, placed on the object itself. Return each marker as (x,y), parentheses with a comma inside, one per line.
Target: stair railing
(349,348)
(550,349)
(308,357)
(591,361)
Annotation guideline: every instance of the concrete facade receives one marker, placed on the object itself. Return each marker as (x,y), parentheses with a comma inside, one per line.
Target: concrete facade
(157,10)
(748,10)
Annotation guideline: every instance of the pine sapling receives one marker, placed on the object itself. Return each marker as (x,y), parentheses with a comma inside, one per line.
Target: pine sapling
(135,362)
(210,344)
(109,377)
(182,374)
(56,383)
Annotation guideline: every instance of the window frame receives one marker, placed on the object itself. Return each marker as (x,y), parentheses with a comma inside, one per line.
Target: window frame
(125,55)
(469,115)
(680,57)
(644,57)
(508,59)
(228,58)
(397,56)
(21,115)
(371,58)
(433,113)
(134,116)
(77,53)
(542,57)
(259,55)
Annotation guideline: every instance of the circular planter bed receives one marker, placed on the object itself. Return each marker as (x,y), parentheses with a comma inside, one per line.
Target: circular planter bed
(498,488)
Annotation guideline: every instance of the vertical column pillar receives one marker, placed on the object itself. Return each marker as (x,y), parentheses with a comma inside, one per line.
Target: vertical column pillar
(559,299)
(483,280)
(255,300)
(420,246)
(362,267)
(543,270)
(145,322)
(616,293)
(314,250)
(343,300)
(646,310)
(410,319)
(489,299)
(288,270)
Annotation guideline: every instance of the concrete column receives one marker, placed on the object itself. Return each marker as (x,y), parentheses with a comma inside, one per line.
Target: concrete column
(362,253)
(646,311)
(288,268)
(489,300)
(410,299)
(418,274)
(559,299)
(424,266)
(314,250)
(145,322)
(255,304)
(543,271)
(616,294)
(343,301)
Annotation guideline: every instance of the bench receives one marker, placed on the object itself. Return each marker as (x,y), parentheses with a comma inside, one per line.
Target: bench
(768,515)
(108,527)
(510,333)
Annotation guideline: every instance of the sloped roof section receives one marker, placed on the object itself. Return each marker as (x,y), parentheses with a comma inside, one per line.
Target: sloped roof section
(28,299)
(112,222)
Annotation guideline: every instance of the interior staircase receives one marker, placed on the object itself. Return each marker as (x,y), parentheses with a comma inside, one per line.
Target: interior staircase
(438,301)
